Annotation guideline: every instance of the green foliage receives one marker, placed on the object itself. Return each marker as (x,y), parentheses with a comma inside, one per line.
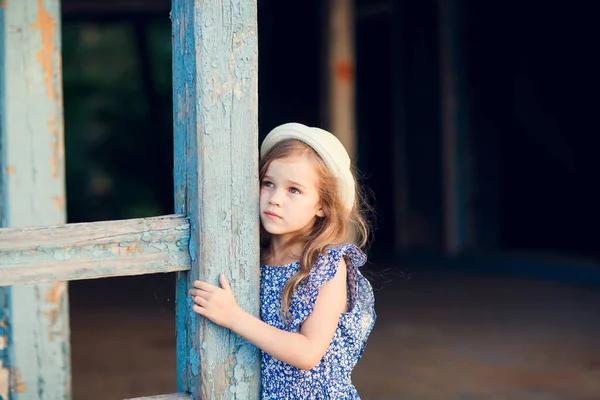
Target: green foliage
(118,120)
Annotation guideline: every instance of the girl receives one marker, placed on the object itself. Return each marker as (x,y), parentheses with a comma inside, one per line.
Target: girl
(317,309)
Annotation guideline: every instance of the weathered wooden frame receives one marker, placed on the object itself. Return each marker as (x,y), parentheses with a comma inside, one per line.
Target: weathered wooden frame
(216,195)
(94,250)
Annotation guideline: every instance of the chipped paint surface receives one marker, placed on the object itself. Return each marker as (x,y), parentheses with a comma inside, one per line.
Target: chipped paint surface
(16,384)
(54,148)
(92,250)
(4,371)
(32,165)
(216,151)
(59,203)
(47,53)
(49,59)
(222,231)
(55,294)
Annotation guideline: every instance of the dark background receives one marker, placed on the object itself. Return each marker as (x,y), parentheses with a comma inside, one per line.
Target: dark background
(530,76)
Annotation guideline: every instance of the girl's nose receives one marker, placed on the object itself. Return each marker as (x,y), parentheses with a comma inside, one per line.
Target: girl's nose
(275,199)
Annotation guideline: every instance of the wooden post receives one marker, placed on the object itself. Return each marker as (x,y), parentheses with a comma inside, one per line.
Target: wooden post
(340,110)
(216,185)
(34,323)
(399,127)
(455,154)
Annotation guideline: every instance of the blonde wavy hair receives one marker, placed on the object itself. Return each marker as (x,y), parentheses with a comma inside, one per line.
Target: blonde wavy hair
(338,226)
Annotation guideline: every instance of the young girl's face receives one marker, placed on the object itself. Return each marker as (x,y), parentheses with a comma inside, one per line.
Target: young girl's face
(289,195)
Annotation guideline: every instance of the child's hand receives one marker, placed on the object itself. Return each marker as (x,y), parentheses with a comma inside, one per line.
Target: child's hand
(215,303)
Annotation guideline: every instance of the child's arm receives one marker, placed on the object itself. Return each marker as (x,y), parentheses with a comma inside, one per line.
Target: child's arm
(302,350)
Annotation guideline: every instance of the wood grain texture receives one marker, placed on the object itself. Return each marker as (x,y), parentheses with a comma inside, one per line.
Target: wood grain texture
(216,185)
(94,250)
(34,348)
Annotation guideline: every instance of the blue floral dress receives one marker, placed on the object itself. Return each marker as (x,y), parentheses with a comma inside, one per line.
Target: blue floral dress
(330,378)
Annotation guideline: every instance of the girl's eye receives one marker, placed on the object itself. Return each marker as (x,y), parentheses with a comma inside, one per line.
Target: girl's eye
(294,190)
(267,184)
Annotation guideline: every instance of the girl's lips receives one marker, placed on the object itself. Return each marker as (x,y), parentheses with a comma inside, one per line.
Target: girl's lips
(272,215)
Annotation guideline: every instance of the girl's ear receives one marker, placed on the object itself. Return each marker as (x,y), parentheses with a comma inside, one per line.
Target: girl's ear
(320,212)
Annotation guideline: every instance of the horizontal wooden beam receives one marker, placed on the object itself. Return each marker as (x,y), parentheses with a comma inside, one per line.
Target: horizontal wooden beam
(94,250)
(173,396)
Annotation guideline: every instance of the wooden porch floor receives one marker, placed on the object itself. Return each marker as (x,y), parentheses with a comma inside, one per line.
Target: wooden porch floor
(438,336)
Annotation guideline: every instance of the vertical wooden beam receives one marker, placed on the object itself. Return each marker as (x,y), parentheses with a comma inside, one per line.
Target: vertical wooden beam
(34,323)
(340,110)
(455,153)
(399,128)
(216,184)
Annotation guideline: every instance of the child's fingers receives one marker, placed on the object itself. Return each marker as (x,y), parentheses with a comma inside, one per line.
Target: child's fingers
(224,282)
(204,286)
(198,292)
(201,301)
(199,310)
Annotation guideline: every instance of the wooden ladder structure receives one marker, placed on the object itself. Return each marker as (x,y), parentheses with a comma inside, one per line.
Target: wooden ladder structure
(214,228)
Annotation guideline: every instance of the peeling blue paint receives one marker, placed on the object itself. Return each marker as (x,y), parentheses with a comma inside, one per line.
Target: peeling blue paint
(32,190)
(5,333)
(69,252)
(182,307)
(216,184)
(194,361)
(192,326)
(61,254)
(193,246)
(159,245)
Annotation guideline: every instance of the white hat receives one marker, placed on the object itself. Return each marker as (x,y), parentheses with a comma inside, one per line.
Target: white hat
(328,146)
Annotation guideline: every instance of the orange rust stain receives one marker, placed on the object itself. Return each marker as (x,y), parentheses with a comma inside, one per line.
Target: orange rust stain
(17,384)
(130,249)
(47,25)
(344,71)
(112,248)
(57,147)
(59,203)
(139,249)
(10,169)
(55,293)
(3,4)
(54,297)
(60,146)
(53,147)
(52,316)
